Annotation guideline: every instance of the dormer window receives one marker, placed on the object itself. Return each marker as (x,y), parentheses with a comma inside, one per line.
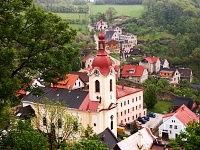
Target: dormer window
(131,71)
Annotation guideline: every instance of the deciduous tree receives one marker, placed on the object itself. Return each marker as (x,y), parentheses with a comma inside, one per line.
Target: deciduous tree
(32,42)
(150,97)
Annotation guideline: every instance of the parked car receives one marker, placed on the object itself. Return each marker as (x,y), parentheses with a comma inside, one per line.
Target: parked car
(138,122)
(152,114)
(146,118)
(142,120)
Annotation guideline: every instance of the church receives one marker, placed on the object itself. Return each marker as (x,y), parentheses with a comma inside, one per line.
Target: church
(104,105)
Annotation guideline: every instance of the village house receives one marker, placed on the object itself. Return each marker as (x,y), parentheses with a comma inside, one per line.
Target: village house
(71,82)
(112,46)
(135,73)
(151,63)
(117,29)
(175,122)
(101,25)
(185,73)
(171,74)
(96,106)
(189,102)
(87,61)
(128,40)
(164,63)
(111,35)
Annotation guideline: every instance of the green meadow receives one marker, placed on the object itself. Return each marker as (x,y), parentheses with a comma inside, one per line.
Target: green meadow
(122,10)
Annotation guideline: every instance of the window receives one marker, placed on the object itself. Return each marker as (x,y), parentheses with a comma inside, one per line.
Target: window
(136,107)
(170,126)
(125,120)
(111,123)
(97,86)
(139,97)
(132,108)
(128,118)
(44,121)
(59,123)
(140,106)
(128,101)
(136,116)
(132,117)
(175,127)
(133,100)
(79,83)
(144,113)
(128,110)
(125,112)
(121,113)
(121,104)
(94,124)
(111,85)
(124,103)
(136,99)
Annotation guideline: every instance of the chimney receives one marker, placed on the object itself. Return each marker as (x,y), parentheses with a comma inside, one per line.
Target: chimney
(103,137)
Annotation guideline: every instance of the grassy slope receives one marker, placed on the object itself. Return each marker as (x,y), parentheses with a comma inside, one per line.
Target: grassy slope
(161,107)
(122,10)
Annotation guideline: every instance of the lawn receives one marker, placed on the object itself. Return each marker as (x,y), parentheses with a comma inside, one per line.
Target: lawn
(122,10)
(73,16)
(83,28)
(161,107)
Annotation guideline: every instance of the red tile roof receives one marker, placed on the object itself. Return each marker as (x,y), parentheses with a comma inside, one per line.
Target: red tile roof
(122,91)
(184,114)
(87,57)
(138,70)
(69,82)
(87,104)
(151,59)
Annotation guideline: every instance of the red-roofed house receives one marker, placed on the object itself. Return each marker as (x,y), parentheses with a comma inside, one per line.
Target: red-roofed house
(152,64)
(87,61)
(135,73)
(72,82)
(130,104)
(174,123)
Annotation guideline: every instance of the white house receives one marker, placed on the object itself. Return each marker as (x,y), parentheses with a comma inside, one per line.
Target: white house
(164,63)
(87,61)
(117,29)
(101,25)
(112,35)
(175,122)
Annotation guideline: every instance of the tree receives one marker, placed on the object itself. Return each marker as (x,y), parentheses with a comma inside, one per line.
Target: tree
(110,13)
(53,119)
(189,138)
(134,128)
(23,137)
(88,142)
(150,97)
(32,43)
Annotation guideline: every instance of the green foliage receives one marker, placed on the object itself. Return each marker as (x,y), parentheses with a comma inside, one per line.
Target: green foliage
(33,43)
(150,96)
(188,139)
(162,106)
(24,137)
(134,128)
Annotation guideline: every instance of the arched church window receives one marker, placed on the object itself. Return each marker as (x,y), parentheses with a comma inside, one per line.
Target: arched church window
(111,122)
(111,85)
(97,86)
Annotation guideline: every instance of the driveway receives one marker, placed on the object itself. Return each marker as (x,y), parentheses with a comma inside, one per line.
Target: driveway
(154,123)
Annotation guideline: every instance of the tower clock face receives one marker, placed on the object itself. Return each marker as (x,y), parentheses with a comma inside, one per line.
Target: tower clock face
(96,72)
